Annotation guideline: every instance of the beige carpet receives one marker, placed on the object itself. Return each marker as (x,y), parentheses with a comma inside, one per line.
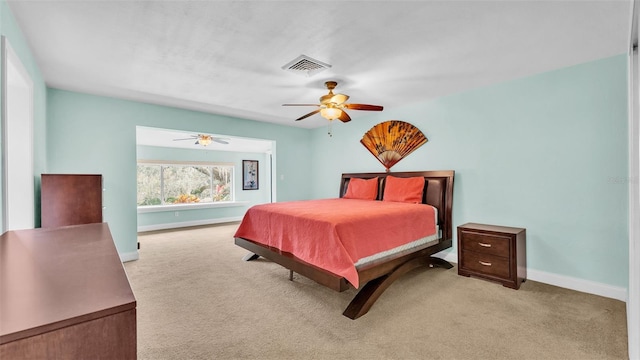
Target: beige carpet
(198,300)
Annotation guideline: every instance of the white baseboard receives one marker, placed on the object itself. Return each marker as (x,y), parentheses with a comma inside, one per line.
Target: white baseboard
(131,256)
(176,225)
(591,287)
(568,282)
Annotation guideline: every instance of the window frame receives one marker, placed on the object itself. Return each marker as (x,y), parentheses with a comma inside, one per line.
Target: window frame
(185,206)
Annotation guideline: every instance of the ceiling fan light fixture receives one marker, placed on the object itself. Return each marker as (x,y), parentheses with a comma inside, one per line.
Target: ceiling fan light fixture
(332,105)
(204,140)
(330,113)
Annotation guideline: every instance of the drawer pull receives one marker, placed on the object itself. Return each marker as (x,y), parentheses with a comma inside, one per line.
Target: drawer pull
(484,245)
(484,263)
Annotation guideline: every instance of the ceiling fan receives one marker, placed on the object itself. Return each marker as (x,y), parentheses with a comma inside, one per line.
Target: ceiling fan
(332,105)
(204,140)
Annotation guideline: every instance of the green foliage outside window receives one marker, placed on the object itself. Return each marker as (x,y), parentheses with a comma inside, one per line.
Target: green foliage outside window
(181,184)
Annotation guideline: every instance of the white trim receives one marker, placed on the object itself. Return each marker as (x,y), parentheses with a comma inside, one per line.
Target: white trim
(274,176)
(586,286)
(567,282)
(197,206)
(184,163)
(187,224)
(17,160)
(130,256)
(633,303)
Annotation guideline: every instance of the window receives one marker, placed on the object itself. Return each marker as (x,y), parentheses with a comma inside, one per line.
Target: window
(184,183)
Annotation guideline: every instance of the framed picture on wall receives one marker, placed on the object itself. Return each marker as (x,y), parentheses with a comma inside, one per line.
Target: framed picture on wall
(249,174)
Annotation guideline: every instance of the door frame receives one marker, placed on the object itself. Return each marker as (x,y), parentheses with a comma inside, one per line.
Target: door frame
(633,291)
(12,67)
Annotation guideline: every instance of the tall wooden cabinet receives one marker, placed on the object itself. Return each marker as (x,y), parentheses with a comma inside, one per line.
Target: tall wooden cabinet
(70,199)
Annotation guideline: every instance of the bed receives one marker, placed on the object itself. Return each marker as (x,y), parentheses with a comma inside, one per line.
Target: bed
(381,226)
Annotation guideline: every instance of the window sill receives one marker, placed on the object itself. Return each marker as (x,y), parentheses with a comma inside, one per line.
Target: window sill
(178,207)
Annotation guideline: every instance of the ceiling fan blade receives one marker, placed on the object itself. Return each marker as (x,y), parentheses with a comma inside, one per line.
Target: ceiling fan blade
(309,114)
(220,141)
(363,107)
(339,98)
(191,138)
(300,105)
(344,117)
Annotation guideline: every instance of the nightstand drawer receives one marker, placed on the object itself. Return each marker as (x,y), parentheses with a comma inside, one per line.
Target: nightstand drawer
(485,264)
(486,243)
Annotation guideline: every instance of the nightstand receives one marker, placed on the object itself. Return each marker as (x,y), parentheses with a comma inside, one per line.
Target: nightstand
(492,252)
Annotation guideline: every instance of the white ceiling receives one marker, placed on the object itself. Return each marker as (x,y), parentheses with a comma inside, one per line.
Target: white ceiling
(225,57)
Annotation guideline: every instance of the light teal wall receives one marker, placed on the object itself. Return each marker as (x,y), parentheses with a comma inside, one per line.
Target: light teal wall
(249,197)
(547,152)
(10,30)
(96,134)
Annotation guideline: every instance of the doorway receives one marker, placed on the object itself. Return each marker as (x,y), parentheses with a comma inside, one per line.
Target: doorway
(18,181)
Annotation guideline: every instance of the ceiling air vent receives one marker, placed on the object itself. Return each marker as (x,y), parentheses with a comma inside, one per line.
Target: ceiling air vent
(305,65)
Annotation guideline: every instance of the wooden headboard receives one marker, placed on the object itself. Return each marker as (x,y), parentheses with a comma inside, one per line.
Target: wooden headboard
(438,192)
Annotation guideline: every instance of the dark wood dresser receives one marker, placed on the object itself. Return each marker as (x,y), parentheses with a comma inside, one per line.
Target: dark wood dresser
(70,199)
(492,252)
(64,294)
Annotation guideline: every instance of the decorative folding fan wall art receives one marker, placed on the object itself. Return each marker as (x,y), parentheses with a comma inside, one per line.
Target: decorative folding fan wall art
(391,141)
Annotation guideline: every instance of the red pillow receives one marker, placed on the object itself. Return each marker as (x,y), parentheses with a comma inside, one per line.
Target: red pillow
(362,189)
(404,189)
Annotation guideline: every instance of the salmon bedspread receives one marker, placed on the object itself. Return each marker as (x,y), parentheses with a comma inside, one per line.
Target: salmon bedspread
(333,234)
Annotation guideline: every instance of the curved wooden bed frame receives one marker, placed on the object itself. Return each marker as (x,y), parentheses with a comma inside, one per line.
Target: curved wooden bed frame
(379,274)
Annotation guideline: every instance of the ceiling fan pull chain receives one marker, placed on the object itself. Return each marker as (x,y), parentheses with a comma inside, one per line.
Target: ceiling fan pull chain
(330,132)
